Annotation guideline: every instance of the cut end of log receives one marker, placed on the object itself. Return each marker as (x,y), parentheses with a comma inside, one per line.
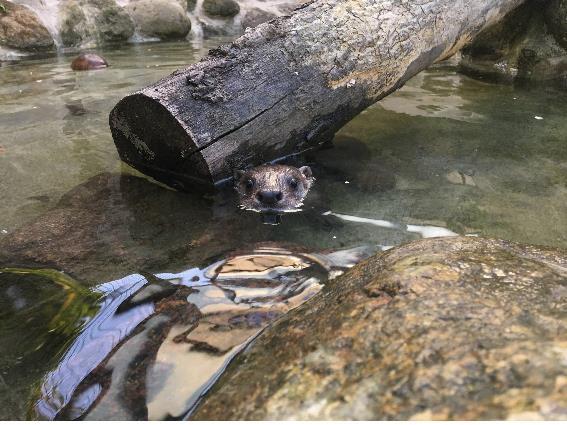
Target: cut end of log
(287,85)
(149,138)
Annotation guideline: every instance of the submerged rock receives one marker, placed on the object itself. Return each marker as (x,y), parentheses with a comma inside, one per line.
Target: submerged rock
(20,28)
(88,61)
(159,18)
(108,227)
(222,8)
(448,328)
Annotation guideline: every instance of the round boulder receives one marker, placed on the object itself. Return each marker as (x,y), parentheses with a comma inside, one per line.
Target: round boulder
(102,21)
(159,18)
(112,22)
(20,28)
(221,8)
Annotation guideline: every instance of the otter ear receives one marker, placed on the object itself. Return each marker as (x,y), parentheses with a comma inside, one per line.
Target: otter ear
(306,171)
(238,174)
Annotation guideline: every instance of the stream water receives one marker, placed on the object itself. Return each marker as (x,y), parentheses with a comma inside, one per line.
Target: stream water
(123,299)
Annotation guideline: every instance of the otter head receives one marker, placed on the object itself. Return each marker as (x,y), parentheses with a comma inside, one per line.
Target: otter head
(273,189)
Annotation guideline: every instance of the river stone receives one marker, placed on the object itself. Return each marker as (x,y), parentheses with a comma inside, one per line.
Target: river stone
(165,19)
(107,228)
(255,17)
(20,28)
(102,21)
(446,328)
(222,8)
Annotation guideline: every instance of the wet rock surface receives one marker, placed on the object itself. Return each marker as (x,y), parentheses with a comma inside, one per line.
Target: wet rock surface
(221,8)
(105,223)
(528,46)
(20,28)
(447,328)
(255,17)
(165,19)
(99,21)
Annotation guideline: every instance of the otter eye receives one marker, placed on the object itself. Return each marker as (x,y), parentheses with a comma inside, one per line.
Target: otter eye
(249,184)
(293,183)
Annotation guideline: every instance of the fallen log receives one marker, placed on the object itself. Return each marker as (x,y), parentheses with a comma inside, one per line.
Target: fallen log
(288,85)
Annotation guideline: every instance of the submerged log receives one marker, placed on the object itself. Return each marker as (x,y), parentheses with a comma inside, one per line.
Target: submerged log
(288,85)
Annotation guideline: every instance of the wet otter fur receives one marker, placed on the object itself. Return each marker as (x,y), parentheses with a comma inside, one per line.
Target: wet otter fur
(273,189)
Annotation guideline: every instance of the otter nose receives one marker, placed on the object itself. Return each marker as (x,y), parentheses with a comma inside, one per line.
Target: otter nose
(269,197)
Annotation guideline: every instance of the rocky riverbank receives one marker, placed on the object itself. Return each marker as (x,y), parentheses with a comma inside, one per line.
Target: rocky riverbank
(449,328)
(37,26)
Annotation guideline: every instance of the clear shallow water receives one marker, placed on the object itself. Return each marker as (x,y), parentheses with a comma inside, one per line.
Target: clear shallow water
(444,154)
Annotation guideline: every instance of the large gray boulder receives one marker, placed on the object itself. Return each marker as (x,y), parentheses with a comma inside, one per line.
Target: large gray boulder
(165,19)
(20,28)
(448,328)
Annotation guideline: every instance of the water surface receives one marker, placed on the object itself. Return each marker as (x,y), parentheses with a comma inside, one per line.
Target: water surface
(105,274)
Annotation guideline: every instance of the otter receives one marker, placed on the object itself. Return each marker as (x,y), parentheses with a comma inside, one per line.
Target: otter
(88,61)
(273,189)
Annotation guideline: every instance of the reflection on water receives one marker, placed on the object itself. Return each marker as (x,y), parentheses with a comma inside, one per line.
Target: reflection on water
(443,155)
(40,312)
(158,342)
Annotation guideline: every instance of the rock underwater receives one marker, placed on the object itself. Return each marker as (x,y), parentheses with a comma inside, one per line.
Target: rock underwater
(445,328)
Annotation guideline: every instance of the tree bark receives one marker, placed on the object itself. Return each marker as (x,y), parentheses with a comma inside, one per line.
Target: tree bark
(288,85)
